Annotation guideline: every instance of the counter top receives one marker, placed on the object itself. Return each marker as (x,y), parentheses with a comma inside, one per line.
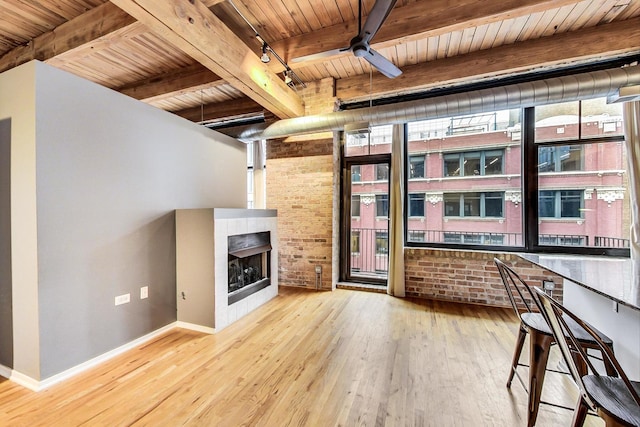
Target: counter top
(607,276)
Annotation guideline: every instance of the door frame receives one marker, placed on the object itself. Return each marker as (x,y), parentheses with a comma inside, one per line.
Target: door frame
(345,215)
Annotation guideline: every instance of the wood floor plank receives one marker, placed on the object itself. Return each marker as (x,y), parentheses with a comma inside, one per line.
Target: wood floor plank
(342,358)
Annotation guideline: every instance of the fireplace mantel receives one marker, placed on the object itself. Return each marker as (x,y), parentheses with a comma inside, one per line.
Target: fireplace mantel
(202,265)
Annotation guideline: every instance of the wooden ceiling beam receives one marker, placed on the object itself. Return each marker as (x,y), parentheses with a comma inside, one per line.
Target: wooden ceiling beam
(86,28)
(168,85)
(417,20)
(87,32)
(603,41)
(221,110)
(193,28)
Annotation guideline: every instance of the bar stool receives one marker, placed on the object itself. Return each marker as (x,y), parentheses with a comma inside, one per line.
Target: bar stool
(540,337)
(615,399)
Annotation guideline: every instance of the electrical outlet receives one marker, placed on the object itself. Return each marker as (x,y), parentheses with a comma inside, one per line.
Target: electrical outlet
(144,292)
(123,299)
(548,285)
(318,269)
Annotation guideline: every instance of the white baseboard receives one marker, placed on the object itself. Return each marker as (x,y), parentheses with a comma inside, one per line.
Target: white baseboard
(194,327)
(35,385)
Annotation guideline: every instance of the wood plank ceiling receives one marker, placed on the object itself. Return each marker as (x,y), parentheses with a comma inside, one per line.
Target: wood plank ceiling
(194,57)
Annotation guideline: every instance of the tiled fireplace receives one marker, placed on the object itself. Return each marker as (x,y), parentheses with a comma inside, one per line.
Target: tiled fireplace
(226,265)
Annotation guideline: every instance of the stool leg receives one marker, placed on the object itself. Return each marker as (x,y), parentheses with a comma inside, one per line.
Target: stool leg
(580,413)
(522,334)
(539,354)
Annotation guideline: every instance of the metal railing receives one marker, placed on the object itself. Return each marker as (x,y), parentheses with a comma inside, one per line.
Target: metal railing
(370,247)
(611,242)
(369,252)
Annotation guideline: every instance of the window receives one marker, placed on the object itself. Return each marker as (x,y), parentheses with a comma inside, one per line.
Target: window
(560,204)
(482,205)
(417,236)
(355,206)
(416,167)
(572,155)
(474,238)
(355,173)
(416,204)
(484,145)
(473,163)
(382,242)
(382,205)
(561,158)
(583,195)
(355,242)
(382,172)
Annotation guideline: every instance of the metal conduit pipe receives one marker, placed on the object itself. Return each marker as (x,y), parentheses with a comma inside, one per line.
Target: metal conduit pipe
(549,91)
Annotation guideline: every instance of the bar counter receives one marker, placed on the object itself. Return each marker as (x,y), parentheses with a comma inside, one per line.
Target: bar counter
(607,276)
(601,290)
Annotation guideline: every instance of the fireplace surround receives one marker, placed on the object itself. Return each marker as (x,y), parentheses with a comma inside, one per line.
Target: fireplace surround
(211,246)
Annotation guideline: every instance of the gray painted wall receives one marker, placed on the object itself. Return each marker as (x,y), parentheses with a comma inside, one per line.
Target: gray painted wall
(6,312)
(109,172)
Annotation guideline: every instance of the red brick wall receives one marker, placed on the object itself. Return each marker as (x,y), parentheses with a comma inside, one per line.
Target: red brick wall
(465,276)
(300,186)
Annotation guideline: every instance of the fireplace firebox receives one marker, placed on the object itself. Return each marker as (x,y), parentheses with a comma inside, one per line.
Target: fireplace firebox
(249,264)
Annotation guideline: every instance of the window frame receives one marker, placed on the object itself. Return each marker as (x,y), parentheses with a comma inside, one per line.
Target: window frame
(471,154)
(482,200)
(424,165)
(423,199)
(529,190)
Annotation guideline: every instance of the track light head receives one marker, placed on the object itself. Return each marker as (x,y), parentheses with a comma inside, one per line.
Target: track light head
(287,77)
(265,56)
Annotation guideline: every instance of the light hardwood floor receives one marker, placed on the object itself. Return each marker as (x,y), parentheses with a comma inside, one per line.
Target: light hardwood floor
(343,358)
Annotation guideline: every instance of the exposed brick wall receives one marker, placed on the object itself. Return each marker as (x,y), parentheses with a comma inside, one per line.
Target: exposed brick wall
(466,276)
(299,186)
(319,97)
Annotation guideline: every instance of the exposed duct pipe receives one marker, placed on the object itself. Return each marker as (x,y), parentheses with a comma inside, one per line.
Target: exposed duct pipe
(559,89)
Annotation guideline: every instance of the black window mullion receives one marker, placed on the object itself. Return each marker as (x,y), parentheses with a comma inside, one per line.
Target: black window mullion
(529,179)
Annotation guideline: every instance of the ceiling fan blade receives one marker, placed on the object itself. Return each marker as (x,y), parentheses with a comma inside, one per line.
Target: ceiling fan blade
(319,55)
(383,65)
(376,17)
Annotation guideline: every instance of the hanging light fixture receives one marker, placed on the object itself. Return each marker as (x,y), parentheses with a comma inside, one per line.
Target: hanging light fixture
(265,56)
(290,76)
(287,77)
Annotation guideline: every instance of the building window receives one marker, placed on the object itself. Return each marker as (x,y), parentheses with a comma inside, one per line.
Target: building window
(382,242)
(556,240)
(355,173)
(416,167)
(355,242)
(474,163)
(416,236)
(474,238)
(483,205)
(382,172)
(382,205)
(355,206)
(560,203)
(416,204)
(561,158)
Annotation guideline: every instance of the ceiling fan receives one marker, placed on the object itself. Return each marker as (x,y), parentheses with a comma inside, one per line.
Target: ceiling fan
(359,45)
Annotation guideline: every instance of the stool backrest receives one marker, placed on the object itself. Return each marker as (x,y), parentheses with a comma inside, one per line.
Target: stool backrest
(556,316)
(515,286)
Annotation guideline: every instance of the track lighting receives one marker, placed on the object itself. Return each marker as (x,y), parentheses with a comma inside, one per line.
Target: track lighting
(290,77)
(265,56)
